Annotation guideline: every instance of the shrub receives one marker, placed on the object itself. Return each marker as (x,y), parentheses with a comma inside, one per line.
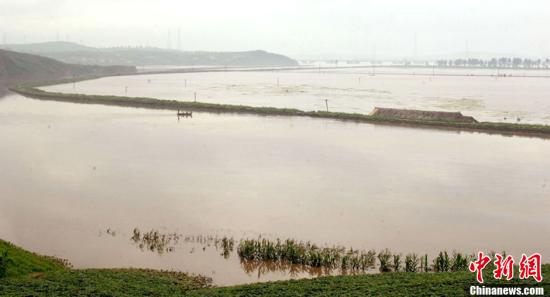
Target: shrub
(459,262)
(424,264)
(442,263)
(397,262)
(411,263)
(384,258)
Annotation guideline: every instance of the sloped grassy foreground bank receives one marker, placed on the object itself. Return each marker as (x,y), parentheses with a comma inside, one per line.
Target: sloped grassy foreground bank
(29,274)
(145,102)
(23,273)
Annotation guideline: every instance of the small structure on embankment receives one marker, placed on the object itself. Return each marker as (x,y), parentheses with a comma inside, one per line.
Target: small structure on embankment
(421,115)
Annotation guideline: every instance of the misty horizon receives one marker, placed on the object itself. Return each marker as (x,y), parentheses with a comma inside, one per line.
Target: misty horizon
(362,30)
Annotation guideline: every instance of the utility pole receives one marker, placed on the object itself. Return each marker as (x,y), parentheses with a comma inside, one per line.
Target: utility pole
(467,52)
(326,104)
(179,39)
(415,53)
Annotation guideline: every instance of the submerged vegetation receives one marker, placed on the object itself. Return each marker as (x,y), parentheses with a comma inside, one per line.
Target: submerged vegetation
(283,252)
(145,102)
(265,255)
(156,241)
(307,254)
(35,275)
(411,263)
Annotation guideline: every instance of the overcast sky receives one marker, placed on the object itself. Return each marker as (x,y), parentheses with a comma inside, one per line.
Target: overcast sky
(343,29)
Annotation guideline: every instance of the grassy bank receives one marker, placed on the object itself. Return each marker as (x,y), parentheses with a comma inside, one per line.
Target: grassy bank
(389,284)
(15,262)
(46,276)
(145,102)
(30,274)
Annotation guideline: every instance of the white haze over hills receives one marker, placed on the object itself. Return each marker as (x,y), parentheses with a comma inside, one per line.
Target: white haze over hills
(306,29)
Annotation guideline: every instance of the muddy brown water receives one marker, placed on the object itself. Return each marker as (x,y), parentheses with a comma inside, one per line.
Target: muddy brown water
(497,99)
(69,173)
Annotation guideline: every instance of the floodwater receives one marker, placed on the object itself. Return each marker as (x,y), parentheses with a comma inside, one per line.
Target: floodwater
(484,94)
(75,180)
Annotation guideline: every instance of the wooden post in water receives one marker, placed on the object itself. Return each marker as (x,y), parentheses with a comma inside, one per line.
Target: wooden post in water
(326,103)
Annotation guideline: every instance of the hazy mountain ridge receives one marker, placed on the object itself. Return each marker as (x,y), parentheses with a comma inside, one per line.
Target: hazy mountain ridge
(21,67)
(146,56)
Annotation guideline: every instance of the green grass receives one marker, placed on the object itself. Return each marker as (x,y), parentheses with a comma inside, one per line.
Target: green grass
(131,282)
(388,284)
(145,102)
(102,282)
(58,280)
(21,262)
(29,274)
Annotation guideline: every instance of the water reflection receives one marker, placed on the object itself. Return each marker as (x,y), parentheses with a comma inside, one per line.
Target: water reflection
(329,182)
(261,268)
(155,241)
(159,242)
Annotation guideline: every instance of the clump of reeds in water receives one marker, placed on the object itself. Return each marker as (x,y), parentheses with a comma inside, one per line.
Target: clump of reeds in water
(457,262)
(155,241)
(397,262)
(424,266)
(281,253)
(411,262)
(226,245)
(384,258)
(305,253)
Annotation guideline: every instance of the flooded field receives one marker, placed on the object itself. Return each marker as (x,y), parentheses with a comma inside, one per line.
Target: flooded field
(77,181)
(488,95)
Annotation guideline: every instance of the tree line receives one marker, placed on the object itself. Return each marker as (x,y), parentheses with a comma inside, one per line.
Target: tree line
(502,62)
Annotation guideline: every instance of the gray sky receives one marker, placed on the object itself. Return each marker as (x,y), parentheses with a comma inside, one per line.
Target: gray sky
(341,29)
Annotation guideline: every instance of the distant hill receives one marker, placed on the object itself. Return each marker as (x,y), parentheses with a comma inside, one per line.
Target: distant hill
(47,47)
(20,67)
(147,56)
